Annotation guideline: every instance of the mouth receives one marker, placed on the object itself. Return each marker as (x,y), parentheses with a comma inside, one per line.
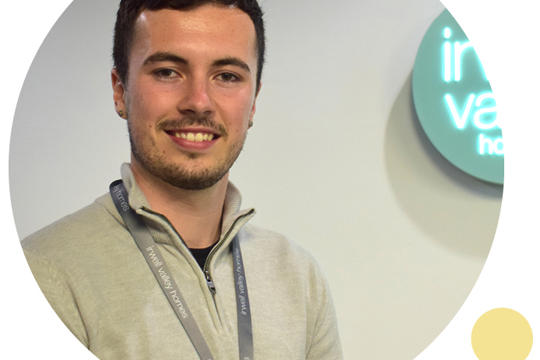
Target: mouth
(192,136)
(193,139)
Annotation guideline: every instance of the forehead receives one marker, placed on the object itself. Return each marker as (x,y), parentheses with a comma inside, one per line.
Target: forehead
(213,30)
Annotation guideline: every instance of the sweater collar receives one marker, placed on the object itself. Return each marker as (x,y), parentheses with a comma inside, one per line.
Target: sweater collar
(137,200)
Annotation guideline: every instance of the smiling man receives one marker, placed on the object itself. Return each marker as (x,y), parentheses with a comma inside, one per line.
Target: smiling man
(165,265)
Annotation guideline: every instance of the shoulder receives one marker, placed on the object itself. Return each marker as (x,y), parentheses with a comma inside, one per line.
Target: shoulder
(63,254)
(77,233)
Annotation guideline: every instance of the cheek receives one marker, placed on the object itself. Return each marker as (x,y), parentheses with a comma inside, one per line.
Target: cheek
(237,108)
(143,116)
(151,102)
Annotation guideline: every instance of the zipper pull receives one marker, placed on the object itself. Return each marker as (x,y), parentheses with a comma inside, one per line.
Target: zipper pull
(210,282)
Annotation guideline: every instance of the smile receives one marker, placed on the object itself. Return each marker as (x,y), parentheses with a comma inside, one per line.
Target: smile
(195,137)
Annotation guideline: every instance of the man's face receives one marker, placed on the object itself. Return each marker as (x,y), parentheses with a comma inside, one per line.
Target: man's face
(190,92)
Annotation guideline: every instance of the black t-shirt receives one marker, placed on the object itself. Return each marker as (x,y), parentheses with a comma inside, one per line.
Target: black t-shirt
(201,254)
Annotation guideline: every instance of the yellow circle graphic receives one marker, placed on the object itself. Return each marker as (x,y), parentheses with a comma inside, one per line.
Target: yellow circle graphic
(502,334)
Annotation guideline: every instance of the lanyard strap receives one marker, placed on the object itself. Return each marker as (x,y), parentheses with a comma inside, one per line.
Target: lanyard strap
(140,233)
(243,312)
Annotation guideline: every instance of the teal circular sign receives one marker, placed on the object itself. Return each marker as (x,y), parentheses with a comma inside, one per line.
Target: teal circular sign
(454,101)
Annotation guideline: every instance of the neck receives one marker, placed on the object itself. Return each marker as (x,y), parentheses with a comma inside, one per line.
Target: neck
(195,214)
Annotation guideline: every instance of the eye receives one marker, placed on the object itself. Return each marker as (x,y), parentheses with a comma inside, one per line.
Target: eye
(228,77)
(165,74)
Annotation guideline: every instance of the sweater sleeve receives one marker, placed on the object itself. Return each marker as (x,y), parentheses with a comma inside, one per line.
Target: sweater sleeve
(325,342)
(58,290)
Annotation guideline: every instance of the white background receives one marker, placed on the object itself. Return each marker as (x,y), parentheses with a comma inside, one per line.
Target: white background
(508,278)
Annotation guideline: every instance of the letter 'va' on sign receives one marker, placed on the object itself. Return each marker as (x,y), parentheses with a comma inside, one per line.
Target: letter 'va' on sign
(454,102)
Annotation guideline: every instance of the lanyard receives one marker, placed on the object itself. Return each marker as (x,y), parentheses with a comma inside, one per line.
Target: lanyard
(147,246)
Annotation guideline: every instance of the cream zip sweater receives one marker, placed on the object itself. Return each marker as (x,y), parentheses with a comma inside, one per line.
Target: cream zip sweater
(100,285)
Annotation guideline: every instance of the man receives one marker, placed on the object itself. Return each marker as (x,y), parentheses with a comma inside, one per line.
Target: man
(165,266)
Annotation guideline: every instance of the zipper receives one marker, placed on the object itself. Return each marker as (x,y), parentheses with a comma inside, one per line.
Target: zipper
(210,282)
(206,269)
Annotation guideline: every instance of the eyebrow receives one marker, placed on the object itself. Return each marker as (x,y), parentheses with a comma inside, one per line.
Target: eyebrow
(164,56)
(167,56)
(231,61)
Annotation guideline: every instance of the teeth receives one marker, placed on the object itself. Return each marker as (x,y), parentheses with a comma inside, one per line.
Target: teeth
(195,137)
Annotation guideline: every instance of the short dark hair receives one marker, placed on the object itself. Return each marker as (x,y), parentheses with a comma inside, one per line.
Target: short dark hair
(129,11)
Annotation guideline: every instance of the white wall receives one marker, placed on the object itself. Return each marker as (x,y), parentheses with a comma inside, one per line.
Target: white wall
(336,159)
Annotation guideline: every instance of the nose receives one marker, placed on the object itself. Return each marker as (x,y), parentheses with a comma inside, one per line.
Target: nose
(196,97)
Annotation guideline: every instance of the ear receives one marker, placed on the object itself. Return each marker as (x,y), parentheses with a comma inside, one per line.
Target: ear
(118,94)
(253,108)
